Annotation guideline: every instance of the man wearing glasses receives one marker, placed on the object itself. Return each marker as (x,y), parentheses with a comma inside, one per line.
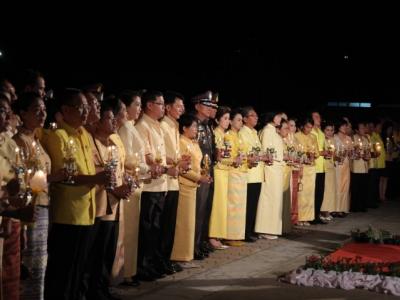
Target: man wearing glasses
(151,263)
(73,207)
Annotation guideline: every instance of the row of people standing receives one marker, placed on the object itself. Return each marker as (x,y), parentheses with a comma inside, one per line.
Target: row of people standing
(202,187)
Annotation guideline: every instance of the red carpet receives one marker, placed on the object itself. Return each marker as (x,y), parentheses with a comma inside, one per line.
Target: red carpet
(368,253)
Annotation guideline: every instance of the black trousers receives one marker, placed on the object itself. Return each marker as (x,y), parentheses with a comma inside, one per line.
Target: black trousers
(149,248)
(373,188)
(168,222)
(67,254)
(202,214)
(359,192)
(392,180)
(319,193)
(206,226)
(253,193)
(103,254)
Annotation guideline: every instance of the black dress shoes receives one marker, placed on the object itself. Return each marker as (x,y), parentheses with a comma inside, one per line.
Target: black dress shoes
(177,267)
(145,276)
(198,255)
(250,239)
(318,222)
(169,268)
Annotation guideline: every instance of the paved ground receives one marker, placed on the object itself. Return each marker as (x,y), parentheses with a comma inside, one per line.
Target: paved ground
(251,271)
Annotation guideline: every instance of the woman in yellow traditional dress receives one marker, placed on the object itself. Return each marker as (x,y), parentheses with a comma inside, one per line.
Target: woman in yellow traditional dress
(218,219)
(308,145)
(237,183)
(342,167)
(283,130)
(328,203)
(295,176)
(183,248)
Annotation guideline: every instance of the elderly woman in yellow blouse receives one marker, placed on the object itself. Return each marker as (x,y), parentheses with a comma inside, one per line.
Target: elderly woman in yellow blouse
(237,183)
(308,145)
(218,219)
(183,249)
(283,130)
(108,149)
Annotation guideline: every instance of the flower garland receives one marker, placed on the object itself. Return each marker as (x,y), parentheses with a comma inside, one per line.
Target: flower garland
(354,265)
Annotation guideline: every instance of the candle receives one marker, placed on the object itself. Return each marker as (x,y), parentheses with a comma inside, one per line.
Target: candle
(38,183)
(135,159)
(378,147)
(28,177)
(158,157)
(17,155)
(70,147)
(111,153)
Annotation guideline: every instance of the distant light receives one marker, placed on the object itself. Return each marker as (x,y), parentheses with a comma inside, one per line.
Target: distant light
(350,104)
(1,53)
(346,57)
(365,104)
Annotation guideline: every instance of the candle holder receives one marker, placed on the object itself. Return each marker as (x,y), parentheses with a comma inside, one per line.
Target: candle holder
(340,156)
(70,162)
(226,150)
(110,167)
(206,164)
(309,158)
(271,155)
(253,156)
(187,156)
(377,148)
(330,149)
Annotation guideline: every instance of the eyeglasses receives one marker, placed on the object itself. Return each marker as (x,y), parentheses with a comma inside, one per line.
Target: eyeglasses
(159,103)
(81,108)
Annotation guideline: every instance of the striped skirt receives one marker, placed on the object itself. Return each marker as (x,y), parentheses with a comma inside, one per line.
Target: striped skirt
(35,256)
(236,210)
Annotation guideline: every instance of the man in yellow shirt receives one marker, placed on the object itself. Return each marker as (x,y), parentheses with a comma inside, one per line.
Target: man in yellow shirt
(151,263)
(72,209)
(169,124)
(255,174)
(319,167)
(377,163)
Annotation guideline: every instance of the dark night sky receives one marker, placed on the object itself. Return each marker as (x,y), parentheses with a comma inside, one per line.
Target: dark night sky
(256,63)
